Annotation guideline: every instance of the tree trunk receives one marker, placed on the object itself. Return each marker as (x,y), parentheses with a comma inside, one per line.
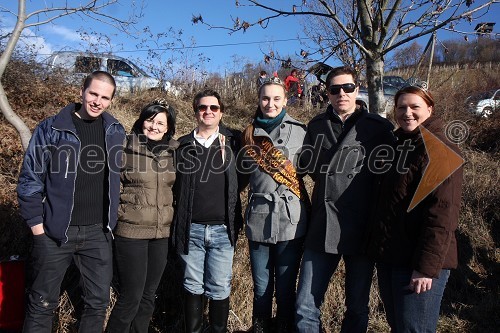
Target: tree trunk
(14,119)
(374,74)
(5,107)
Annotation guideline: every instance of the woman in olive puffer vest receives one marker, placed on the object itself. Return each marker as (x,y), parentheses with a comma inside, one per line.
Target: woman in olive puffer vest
(144,217)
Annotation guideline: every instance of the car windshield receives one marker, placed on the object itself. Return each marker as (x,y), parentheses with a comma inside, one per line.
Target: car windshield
(390,90)
(395,81)
(480,96)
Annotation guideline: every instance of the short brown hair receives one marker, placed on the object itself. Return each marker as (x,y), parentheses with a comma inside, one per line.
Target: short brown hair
(101,76)
(207,93)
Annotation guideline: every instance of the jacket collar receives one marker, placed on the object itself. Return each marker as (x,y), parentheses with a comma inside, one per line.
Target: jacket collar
(63,120)
(287,119)
(136,145)
(188,139)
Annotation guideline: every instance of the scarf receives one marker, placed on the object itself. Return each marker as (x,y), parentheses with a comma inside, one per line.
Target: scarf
(268,124)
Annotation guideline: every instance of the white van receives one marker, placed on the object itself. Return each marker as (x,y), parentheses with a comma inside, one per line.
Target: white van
(129,78)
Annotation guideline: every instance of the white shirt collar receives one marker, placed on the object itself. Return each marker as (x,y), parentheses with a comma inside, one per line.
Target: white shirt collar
(208,141)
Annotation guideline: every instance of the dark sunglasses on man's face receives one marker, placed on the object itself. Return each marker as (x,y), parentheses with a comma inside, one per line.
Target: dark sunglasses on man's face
(213,108)
(334,89)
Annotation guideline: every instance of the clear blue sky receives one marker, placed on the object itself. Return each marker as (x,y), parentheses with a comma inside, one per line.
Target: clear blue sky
(225,51)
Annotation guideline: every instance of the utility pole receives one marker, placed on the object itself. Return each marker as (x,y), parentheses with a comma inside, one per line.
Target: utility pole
(433,44)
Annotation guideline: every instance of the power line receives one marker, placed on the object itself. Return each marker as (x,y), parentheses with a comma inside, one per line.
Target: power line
(215,45)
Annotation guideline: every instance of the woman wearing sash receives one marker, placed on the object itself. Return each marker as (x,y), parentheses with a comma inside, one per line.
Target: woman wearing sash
(276,215)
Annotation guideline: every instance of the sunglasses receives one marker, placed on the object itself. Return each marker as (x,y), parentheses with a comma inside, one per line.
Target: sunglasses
(334,89)
(213,108)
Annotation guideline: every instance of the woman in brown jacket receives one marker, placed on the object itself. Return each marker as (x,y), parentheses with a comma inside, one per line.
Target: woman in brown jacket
(413,236)
(144,217)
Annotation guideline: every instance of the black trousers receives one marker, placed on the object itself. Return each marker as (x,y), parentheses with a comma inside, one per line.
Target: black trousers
(90,248)
(139,267)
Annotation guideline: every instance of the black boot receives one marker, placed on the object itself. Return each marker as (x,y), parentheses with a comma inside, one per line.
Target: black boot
(193,312)
(261,325)
(284,325)
(218,311)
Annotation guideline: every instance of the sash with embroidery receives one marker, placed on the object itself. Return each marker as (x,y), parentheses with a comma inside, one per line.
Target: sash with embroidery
(272,161)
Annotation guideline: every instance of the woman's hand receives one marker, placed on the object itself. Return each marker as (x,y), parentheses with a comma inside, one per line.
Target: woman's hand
(419,283)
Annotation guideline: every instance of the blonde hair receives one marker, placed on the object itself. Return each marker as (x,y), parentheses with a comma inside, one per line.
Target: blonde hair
(247,135)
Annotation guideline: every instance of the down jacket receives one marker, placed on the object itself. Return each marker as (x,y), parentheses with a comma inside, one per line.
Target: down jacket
(146,203)
(422,239)
(185,186)
(47,180)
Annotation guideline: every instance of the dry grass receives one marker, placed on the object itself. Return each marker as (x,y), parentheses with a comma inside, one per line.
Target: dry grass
(471,298)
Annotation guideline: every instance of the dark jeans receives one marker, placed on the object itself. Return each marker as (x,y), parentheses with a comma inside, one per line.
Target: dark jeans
(315,272)
(139,267)
(275,266)
(90,248)
(405,310)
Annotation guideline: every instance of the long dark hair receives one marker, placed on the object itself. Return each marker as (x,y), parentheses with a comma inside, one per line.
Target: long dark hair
(150,111)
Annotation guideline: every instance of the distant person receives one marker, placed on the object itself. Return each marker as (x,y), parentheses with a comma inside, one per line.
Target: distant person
(293,86)
(68,191)
(144,217)
(415,248)
(337,147)
(277,208)
(319,96)
(262,77)
(208,213)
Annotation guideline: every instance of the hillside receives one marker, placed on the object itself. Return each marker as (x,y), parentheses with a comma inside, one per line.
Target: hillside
(471,299)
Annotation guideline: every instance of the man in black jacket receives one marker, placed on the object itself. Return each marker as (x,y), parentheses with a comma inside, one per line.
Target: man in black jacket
(337,151)
(208,212)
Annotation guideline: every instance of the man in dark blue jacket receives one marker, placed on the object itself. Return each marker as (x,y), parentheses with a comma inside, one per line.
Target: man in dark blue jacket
(68,194)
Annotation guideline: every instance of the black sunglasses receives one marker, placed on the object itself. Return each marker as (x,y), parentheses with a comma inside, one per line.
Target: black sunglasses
(334,89)
(213,108)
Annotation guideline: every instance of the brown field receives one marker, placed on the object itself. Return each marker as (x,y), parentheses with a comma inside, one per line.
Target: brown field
(471,302)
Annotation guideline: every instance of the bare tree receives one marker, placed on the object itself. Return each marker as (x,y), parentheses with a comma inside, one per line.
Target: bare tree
(376,27)
(46,14)
(407,56)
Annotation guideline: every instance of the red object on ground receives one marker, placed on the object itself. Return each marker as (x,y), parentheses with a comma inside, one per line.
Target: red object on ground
(12,295)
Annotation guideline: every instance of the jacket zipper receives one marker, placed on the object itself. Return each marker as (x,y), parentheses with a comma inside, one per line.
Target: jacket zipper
(67,165)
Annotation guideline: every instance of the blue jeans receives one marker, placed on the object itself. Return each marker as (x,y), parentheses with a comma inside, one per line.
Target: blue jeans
(208,266)
(90,248)
(315,272)
(405,310)
(275,266)
(139,267)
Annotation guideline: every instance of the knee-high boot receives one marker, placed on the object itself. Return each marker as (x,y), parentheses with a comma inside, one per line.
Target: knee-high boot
(218,311)
(193,312)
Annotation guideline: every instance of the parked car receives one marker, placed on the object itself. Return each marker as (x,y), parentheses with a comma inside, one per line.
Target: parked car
(485,103)
(321,70)
(128,76)
(396,81)
(389,93)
